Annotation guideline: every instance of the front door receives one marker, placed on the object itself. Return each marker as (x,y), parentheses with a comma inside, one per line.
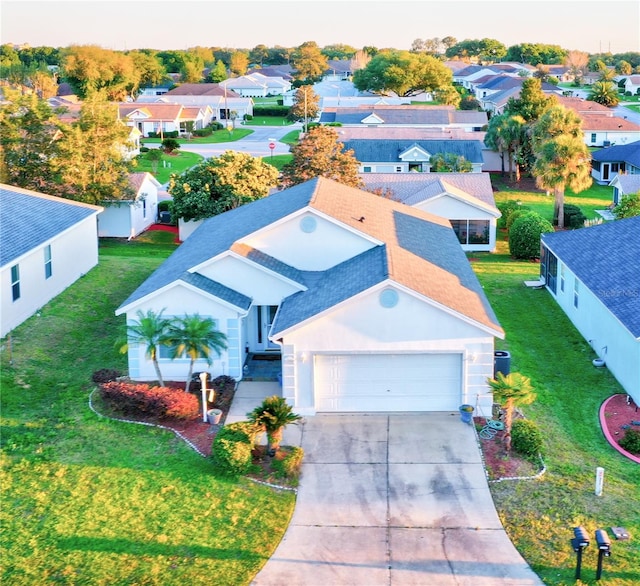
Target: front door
(265,316)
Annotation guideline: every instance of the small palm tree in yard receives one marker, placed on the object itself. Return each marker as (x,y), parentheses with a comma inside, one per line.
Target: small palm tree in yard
(150,330)
(197,337)
(511,391)
(272,416)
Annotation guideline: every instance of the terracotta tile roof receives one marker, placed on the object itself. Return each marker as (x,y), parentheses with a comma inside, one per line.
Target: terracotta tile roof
(157,111)
(582,106)
(599,122)
(198,89)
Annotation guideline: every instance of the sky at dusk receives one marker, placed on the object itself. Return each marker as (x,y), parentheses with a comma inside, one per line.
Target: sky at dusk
(586,25)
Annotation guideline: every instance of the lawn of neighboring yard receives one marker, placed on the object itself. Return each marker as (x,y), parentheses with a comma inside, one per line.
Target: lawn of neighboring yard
(597,197)
(178,162)
(539,516)
(278,161)
(91,501)
(218,136)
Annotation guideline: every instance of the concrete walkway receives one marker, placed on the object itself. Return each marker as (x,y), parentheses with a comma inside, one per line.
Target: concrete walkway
(388,499)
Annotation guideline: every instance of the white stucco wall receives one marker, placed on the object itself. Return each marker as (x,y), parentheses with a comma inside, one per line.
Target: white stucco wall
(74,252)
(173,301)
(606,335)
(362,325)
(288,242)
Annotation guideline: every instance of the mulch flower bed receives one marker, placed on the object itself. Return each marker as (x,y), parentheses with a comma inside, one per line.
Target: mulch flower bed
(619,413)
(500,463)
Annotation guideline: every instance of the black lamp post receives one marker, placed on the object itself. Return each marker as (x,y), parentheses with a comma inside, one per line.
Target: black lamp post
(604,549)
(580,542)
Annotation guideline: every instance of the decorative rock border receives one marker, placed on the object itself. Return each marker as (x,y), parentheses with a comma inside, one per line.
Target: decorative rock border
(609,437)
(189,443)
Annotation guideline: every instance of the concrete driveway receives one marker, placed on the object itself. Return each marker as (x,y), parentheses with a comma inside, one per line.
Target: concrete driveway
(392,499)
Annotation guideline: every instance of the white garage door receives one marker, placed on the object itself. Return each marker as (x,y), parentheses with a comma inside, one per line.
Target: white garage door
(388,382)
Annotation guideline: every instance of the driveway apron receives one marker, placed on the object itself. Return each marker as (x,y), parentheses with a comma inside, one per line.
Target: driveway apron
(393,499)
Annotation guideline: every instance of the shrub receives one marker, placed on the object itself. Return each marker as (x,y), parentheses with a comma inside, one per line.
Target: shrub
(143,400)
(105,375)
(524,236)
(170,144)
(513,216)
(631,441)
(231,450)
(223,383)
(573,216)
(506,209)
(144,149)
(280,111)
(469,103)
(289,466)
(203,132)
(248,117)
(526,438)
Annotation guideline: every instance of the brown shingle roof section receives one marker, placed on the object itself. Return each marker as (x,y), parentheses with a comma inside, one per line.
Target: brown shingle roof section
(416,257)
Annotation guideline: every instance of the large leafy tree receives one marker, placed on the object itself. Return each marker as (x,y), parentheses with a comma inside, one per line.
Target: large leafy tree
(308,62)
(151,329)
(320,154)
(89,68)
(217,73)
(29,132)
(506,134)
(531,102)
(90,163)
(403,73)
(511,391)
(561,162)
(488,50)
(151,72)
(239,62)
(605,93)
(220,184)
(306,104)
(196,337)
(449,163)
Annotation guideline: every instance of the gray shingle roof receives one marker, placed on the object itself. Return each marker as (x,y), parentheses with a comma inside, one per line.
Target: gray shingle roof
(420,252)
(629,153)
(216,289)
(29,219)
(388,151)
(606,259)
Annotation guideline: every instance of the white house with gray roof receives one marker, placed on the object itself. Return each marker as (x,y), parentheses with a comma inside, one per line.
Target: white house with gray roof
(594,275)
(465,199)
(405,156)
(371,304)
(46,244)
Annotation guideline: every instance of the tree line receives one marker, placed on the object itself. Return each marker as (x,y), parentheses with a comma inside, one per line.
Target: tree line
(122,73)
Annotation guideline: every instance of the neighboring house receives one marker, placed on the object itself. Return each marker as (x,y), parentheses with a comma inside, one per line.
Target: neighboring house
(604,131)
(128,218)
(610,161)
(594,275)
(256,85)
(624,185)
(405,156)
(465,199)
(632,84)
(495,103)
(218,105)
(372,304)
(435,117)
(46,244)
(161,117)
(154,91)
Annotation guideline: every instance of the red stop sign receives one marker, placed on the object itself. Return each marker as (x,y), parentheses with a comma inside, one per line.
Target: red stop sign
(272,145)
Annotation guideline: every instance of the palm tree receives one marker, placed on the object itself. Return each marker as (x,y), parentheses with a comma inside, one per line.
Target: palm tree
(151,329)
(511,391)
(513,135)
(272,416)
(494,138)
(604,92)
(562,162)
(197,337)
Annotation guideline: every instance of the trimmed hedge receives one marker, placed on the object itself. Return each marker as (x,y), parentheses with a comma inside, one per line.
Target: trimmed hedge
(526,438)
(280,111)
(525,233)
(143,400)
(573,216)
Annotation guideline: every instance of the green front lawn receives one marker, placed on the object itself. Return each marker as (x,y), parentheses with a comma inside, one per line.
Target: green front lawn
(218,136)
(178,162)
(278,161)
(91,501)
(268,121)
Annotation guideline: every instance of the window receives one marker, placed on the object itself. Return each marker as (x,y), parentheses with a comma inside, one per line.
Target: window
(471,231)
(165,351)
(593,137)
(576,292)
(48,266)
(15,282)
(615,167)
(144,208)
(398,169)
(366,169)
(561,277)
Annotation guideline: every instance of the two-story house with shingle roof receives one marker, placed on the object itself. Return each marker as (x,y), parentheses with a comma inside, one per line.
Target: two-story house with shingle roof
(371,303)
(594,275)
(46,244)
